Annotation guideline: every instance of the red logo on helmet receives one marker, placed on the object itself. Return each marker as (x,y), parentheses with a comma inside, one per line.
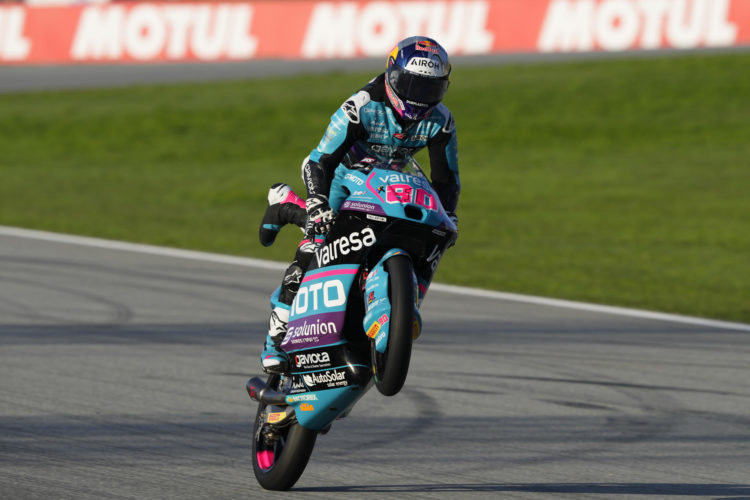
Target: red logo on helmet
(427,46)
(400,136)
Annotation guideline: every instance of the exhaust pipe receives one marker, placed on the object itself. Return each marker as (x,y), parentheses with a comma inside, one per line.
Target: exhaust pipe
(259,391)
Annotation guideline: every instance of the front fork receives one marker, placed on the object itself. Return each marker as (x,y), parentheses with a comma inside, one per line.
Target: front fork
(378,304)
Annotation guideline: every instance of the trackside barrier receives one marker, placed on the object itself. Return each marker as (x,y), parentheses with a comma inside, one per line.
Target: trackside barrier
(159,32)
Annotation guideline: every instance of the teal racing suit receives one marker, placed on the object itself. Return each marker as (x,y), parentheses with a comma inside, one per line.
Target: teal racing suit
(367,126)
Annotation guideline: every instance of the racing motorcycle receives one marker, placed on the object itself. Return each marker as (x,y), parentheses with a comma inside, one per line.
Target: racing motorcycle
(356,313)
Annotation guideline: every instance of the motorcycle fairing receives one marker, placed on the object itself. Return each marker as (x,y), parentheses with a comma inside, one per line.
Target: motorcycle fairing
(326,377)
(317,315)
(381,193)
(316,410)
(322,395)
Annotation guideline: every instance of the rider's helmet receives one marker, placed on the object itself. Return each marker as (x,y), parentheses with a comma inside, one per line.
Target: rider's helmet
(416,76)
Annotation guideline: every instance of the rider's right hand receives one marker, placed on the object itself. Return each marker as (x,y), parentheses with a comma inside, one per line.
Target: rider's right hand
(319,213)
(454,218)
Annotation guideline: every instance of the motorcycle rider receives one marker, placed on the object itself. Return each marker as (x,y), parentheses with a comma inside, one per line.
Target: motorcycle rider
(396,114)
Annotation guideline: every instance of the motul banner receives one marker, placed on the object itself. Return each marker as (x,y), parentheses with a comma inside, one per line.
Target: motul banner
(298,29)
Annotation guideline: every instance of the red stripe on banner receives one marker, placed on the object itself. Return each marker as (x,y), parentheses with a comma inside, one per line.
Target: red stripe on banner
(740,15)
(235,31)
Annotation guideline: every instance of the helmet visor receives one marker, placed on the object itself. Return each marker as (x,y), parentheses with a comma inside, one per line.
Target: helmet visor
(417,88)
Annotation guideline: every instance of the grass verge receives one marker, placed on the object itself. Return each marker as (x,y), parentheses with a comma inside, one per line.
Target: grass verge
(621,182)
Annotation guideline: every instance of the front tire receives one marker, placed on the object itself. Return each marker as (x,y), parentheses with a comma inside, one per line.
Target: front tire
(392,367)
(278,465)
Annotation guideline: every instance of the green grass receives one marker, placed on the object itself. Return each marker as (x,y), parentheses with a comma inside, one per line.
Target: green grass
(620,182)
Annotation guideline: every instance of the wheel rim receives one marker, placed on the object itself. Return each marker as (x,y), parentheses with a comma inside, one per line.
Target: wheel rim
(267,454)
(265,459)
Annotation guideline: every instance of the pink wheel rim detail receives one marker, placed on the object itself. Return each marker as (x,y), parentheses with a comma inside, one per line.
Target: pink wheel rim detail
(265,459)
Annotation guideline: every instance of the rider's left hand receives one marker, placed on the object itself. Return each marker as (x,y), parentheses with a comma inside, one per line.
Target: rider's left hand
(319,213)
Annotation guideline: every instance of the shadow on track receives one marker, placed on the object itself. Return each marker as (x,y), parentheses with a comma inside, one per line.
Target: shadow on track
(720,491)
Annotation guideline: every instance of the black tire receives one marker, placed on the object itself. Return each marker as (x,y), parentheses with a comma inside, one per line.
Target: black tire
(290,454)
(392,367)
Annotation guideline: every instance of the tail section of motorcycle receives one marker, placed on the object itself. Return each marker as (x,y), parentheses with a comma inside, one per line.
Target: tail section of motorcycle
(281,447)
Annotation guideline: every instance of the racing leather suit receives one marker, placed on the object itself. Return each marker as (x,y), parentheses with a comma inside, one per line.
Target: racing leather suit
(366,125)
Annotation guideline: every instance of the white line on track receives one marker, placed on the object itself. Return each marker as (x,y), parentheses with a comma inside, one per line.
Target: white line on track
(458,290)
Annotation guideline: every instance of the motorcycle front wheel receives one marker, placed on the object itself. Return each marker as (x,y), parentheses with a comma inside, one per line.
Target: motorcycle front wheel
(392,366)
(280,461)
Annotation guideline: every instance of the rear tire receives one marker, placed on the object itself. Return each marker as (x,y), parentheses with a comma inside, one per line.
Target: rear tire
(277,466)
(392,367)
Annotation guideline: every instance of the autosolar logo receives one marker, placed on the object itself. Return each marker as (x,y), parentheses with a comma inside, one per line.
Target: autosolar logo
(329,378)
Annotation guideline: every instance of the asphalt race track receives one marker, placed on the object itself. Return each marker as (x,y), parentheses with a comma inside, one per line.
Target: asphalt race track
(123,377)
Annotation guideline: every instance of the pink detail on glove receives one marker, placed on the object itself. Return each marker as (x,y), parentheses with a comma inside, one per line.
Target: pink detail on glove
(293,198)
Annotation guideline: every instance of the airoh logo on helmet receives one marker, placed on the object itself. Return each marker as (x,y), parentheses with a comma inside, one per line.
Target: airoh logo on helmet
(429,67)
(422,62)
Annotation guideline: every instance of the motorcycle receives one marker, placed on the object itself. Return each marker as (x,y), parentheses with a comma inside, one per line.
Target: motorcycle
(356,313)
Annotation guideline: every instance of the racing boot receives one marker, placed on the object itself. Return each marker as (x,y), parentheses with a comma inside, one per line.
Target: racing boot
(284,207)
(273,358)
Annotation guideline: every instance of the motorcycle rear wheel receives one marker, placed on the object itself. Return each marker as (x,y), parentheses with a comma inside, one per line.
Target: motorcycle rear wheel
(392,367)
(278,465)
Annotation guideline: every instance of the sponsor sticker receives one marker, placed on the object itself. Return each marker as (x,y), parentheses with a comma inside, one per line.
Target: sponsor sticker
(380,338)
(315,357)
(353,178)
(301,397)
(376,217)
(297,386)
(344,245)
(306,407)
(329,378)
(309,332)
(373,330)
(434,258)
(427,46)
(404,179)
(276,417)
(425,66)
(312,360)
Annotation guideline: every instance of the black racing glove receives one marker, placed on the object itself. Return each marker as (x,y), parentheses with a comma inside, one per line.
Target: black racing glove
(454,218)
(319,213)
